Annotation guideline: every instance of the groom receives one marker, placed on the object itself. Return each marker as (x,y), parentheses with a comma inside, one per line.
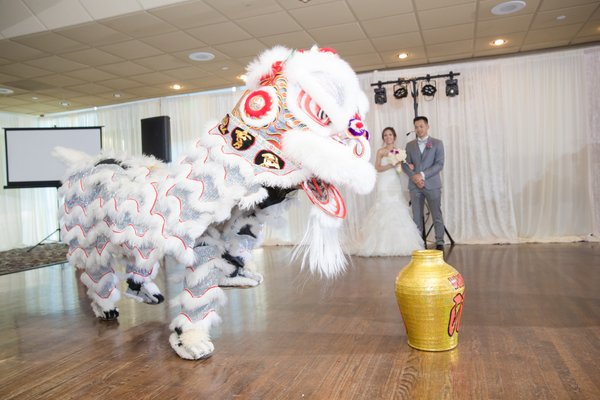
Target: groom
(426,154)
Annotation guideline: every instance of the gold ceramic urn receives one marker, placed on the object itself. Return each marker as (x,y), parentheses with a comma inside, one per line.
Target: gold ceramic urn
(430,295)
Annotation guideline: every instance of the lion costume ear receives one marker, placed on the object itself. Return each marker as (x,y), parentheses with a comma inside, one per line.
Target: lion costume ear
(260,71)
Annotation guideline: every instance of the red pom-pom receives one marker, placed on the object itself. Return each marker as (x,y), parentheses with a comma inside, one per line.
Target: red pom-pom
(258,104)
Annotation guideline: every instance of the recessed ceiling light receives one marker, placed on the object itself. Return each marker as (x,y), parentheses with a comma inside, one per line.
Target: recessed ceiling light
(6,91)
(242,77)
(176,86)
(508,7)
(225,68)
(34,98)
(65,103)
(499,42)
(201,56)
(117,95)
(561,17)
(402,56)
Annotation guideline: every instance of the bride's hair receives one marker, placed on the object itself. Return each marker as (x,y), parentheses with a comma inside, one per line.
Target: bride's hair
(389,128)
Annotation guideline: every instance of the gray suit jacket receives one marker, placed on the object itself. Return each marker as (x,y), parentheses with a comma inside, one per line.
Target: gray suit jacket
(430,162)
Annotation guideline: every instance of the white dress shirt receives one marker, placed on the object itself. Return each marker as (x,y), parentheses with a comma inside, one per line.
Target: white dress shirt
(422,142)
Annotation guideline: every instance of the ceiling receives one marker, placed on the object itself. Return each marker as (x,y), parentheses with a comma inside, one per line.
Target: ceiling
(87,53)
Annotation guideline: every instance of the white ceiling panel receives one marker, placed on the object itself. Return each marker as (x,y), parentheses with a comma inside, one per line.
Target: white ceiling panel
(337,33)
(270,24)
(16,19)
(398,42)
(223,32)
(392,25)
(379,8)
(447,16)
(110,8)
(189,15)
(319,16)
(57,14)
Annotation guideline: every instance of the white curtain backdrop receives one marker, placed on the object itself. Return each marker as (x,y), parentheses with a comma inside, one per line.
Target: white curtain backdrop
(522,144)
(519,143)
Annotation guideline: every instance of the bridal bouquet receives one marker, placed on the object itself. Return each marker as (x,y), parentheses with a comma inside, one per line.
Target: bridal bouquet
(396,157)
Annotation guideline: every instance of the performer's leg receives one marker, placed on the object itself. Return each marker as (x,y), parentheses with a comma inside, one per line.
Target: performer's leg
(239,236)
(434,200)
(238,254)
(140,285)
(417,202)
(199,300)
(101,281)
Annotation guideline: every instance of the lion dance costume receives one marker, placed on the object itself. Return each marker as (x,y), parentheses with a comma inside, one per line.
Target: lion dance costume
(298,126)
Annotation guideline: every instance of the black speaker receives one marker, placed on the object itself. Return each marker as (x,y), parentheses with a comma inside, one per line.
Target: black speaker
(156,137)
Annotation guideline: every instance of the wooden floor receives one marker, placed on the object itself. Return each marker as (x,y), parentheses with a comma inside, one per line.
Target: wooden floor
(530,330)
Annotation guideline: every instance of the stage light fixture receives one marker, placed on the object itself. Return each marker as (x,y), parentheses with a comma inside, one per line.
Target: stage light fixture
(451,86)
(429,88)
(380,95)
(400,90)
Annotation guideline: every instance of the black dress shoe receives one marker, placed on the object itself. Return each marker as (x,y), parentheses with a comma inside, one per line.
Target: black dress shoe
(439,247)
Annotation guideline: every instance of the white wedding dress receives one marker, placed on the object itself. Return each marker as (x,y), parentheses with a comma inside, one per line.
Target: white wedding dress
(389,229)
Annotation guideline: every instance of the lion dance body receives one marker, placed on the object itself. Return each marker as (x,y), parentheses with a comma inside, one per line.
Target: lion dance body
(298,126)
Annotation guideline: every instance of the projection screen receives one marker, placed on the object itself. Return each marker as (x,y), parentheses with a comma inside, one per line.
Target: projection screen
(29,160)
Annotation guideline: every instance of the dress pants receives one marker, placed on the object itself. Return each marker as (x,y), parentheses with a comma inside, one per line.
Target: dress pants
(434,201)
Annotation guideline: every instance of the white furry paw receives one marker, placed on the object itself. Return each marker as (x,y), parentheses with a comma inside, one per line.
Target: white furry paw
(146,292)
(244,278)
(106,315)
(251,275)
(193,344)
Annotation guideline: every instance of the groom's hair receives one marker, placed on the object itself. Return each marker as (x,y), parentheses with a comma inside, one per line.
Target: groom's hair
(421,118)
(389,128)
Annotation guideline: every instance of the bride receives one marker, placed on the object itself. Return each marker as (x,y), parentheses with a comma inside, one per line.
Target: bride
(389,229)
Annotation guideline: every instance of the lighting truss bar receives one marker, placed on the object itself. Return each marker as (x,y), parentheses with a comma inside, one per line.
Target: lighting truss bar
(420,78)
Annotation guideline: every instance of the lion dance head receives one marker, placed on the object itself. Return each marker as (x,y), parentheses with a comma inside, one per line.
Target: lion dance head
(300,125)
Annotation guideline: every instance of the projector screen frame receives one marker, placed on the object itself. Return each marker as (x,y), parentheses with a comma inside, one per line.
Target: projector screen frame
(16,184)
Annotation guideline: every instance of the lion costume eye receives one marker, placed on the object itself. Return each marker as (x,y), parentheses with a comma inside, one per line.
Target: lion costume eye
(312,109)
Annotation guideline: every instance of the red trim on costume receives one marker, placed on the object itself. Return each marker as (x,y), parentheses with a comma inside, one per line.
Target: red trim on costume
(327,50)
(100,251)
(107,296)
(122,231)
(136,202)
(68,229)
(112,271)
(203,293)
(78,248)
(333,205)
(68,211)
(306,103)
(269,77)
(139,251)
(142,275)
(203,318)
